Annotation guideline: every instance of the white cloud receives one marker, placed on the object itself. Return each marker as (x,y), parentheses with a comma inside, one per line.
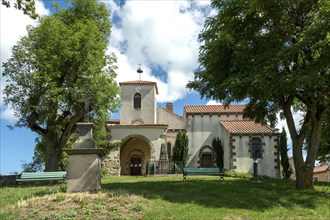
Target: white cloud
(8,114)
(12,28)
(213,102)
(158,33)
(297,116)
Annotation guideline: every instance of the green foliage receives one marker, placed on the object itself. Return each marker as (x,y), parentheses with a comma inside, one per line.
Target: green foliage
(49,71)
(232,173)
(180,149)
(323,154)
(283,147)
(275,54)
(27,6)
(108,146)
(218,149)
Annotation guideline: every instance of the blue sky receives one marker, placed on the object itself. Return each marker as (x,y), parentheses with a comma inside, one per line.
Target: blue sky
(162,36)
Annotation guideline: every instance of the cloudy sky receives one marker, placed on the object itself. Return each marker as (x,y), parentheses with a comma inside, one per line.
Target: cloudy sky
(162,36)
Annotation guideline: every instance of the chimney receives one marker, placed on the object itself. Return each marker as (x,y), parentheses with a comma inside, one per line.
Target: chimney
(169,107)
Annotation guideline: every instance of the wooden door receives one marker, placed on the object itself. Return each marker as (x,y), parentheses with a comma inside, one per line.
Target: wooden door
(136,166)
(207,160)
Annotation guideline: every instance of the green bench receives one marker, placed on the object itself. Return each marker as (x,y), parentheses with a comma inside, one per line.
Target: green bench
(42,176)
(202,171)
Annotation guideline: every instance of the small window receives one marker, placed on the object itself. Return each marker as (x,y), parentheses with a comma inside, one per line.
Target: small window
(255,144)
(169,153)
(137,100)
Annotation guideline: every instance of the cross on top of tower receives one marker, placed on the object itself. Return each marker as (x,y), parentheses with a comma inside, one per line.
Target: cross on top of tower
(139,71)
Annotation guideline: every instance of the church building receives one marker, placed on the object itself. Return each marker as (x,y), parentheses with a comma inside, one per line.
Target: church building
(147,134)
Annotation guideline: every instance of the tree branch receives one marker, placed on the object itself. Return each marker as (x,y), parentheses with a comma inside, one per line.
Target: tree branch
(32,122)
(68,129)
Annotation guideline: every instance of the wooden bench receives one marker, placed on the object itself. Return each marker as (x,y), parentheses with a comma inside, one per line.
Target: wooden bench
(41,176)
(202,171)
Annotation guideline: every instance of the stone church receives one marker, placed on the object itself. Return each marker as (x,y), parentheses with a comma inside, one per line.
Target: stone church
(147,134)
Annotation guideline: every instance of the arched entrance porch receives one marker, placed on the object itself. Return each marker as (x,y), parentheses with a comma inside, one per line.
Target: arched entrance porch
(134,154)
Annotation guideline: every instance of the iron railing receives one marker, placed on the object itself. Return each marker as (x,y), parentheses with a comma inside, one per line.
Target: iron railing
(164,167)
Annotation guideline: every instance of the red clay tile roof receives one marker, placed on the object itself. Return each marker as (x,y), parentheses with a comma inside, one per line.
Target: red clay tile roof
(241,127)
(140,82)
(213,109)
(113,121)
(321,168)
(135,126)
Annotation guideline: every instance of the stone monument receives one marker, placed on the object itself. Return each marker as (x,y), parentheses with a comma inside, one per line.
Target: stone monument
(84,172)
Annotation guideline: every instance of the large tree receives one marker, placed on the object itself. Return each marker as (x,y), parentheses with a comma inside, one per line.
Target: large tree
(59,65)
(275,54)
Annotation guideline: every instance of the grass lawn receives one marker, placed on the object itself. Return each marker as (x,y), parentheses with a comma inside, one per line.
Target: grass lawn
(168,197)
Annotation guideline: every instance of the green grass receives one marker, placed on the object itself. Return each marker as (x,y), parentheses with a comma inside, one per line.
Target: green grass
(168,197)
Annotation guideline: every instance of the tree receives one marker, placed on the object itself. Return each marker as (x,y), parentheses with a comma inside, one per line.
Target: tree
(275,54)
(283,148)
(180,149)
(27,6)
(218,149)
(56,68)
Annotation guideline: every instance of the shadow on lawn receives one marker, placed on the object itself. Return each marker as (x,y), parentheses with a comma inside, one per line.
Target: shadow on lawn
(231,193)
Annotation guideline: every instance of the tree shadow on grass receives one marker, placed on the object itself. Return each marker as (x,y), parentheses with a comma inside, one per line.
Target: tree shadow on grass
(232,193)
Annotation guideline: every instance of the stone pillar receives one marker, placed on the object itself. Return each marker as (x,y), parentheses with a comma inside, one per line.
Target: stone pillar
(84,172)
(85,139)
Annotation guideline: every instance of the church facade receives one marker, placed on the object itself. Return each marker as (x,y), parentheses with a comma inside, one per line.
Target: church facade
(147,134)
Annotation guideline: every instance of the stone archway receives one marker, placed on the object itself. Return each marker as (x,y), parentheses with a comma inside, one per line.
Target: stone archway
(134,154)
(206,157)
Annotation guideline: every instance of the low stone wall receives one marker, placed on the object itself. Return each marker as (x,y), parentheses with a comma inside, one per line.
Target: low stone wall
(111,165)
(8,180)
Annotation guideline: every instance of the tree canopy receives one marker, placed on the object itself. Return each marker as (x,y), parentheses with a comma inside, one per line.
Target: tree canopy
(276,55)
(51,69)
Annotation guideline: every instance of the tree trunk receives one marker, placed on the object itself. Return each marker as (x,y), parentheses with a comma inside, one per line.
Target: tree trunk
(313,118)
(52,150)
(304,176)
(304,169)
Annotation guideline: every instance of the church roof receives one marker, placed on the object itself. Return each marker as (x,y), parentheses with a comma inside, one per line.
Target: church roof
(140,82)
(137,125)
(213,109)
(241,127)
(113,121)
(321,168)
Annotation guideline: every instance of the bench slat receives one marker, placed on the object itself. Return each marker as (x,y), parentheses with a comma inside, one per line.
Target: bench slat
(41,176)
(202,171)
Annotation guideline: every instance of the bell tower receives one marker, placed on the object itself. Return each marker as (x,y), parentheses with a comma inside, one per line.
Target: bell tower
(138,101)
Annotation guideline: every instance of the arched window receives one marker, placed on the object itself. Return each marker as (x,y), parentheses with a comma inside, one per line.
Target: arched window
(169,150)
(137,101)
(255,144)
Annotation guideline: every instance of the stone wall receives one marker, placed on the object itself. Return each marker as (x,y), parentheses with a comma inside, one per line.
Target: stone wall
(111,165)
(8,180)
